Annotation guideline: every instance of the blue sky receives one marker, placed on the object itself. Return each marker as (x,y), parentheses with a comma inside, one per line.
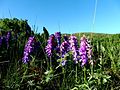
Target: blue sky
(67,16)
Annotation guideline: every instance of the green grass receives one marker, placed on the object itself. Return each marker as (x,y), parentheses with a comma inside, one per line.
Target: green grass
(41,74)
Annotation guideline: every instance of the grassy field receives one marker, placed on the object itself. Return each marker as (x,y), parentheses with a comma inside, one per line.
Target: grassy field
(34,61)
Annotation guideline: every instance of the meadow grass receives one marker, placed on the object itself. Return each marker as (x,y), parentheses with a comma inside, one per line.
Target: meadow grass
(42,73)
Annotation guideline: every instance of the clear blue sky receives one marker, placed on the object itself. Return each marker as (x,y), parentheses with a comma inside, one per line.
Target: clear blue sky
(67,16)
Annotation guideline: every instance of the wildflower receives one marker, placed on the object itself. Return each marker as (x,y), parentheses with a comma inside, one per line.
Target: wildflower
(58,37)
(4,42)
(0,41)
(8,36)
(50,45)
(64,49)
(89,49)
(29,47)
(74,48)
(58,51)
(85,50)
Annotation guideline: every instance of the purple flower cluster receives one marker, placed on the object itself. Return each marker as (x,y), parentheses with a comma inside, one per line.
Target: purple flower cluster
(0,41)
(29,47)
(74,48)
(50,45)
(81,54)
(89,49)
(8,36)
(5,39)
(85,50)
(64,48)
(58,37)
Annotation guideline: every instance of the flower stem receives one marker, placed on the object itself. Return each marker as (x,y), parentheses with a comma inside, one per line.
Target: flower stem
(76,75)
(85,75)
(63,71)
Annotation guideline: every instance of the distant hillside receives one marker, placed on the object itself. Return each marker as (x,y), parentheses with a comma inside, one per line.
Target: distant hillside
(99,36)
